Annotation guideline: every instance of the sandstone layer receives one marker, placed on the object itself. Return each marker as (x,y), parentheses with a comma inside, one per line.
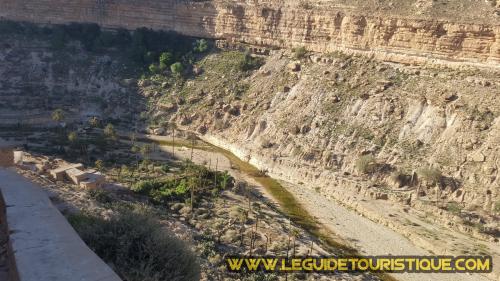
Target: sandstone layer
(321,28)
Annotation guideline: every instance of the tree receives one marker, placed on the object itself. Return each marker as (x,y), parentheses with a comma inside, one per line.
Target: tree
(177,68)
(133,138)
(58,115)
(225,180)
(153,68)
(200,46)
(135,149)
(174,127)
(109,132)
(73,137)
(192,137)
(94,122)
(99,165)
(165,60)
(145,150)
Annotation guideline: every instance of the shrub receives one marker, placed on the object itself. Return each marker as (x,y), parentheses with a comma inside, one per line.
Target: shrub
(177,68)
(496,208)
(249,63)
(161,195)
(144,186)
(182,188)
(100,195)
(430,174)
(73,137)
(454,207)
(366,164)
(299,52)
(200,46)
(137,245)
(153,68)
(165,168)
(166,59)
(110,133)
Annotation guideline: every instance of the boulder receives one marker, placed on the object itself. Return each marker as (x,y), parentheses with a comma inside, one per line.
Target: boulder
(477,157)
(294,66)
(159,131)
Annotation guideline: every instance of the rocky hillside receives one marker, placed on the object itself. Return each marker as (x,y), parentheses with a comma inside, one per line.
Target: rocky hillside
(354,128)
(423,138)
(37,79)
(402,31)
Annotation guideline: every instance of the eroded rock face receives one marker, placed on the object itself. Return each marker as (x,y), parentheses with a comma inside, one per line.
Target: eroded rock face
(393,36)
(315,132)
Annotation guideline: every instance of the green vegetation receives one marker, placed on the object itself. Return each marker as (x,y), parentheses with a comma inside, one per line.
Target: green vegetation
(200,46)
(165,59)
(496,207)
(137,246)
(142,46)
(177,68)
(299,52)
(431,175)
(58,115)
(110,133)
(154,69)
(454,207)
(194,182)
(73,137)
(100,195)
(99,165)
(248,62)
(366,164)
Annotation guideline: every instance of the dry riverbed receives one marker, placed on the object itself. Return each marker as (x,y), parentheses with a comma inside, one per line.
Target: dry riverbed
(349,226)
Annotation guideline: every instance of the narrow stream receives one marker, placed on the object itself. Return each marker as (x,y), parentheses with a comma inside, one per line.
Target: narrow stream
(287,202)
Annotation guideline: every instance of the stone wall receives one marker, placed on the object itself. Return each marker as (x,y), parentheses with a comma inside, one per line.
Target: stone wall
(6,157)
(389,38)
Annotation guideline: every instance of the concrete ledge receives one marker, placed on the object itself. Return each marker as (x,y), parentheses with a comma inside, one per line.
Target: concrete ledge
(44,244)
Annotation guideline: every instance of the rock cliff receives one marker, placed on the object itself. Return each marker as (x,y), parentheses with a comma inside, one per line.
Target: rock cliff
(322,26)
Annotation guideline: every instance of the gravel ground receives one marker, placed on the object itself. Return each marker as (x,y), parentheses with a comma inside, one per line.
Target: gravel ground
(368,237)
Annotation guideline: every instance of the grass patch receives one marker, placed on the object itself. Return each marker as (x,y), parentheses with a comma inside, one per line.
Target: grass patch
(454,208)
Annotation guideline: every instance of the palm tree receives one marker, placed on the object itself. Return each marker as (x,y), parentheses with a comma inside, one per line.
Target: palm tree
(73,138)
(99,165)
(145,150)
(174,127)
(94,122)
(294,233)
(110,133)
(58,115)
(133,138)
(192,138)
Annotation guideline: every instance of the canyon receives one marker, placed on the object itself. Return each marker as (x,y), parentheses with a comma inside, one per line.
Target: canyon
(411,32)
(389,110)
